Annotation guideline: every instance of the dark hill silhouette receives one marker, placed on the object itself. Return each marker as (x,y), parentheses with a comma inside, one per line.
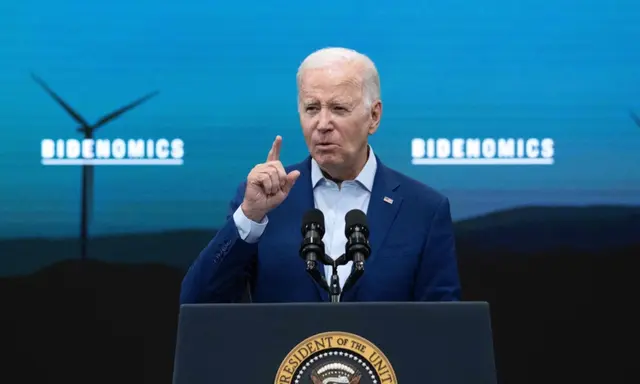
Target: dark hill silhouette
(531,230)
(527,230)
(173,248)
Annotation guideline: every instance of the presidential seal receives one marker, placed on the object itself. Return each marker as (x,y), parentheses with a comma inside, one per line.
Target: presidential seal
(335,358)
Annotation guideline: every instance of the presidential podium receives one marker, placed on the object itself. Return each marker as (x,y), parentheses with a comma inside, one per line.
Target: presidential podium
(334,343)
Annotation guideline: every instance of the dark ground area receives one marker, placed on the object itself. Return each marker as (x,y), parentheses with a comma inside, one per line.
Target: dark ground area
(560,314)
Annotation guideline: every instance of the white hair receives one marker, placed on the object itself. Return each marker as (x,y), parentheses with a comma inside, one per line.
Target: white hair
(326,57)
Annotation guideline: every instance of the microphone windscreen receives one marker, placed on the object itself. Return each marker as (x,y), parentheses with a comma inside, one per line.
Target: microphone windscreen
(352,218)
(313,216)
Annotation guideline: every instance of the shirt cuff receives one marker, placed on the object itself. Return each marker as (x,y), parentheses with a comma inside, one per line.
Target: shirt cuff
(249,230)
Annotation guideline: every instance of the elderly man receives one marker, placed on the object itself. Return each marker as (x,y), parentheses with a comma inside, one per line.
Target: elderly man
(412,242)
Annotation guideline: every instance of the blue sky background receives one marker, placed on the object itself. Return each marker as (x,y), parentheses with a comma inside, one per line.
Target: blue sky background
(568,69)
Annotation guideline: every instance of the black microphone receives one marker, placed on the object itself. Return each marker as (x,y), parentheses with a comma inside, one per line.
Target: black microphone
(357,232)
(312,247)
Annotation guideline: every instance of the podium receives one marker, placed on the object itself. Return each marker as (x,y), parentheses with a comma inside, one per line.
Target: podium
(328,343)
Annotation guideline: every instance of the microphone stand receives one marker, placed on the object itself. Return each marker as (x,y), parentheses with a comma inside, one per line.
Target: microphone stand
(335,292)
(333,287)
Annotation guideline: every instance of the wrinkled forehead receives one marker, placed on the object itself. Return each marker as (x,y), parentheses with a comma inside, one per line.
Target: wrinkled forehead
(329,83)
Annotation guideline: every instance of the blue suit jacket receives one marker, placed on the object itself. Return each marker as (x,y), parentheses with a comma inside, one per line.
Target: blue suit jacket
(412,258)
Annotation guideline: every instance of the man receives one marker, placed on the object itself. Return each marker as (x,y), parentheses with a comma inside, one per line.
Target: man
(412,242)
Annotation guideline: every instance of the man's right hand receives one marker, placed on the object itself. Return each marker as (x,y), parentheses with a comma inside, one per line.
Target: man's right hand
(267,185)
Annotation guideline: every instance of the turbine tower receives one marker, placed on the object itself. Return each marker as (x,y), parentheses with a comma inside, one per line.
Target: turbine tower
(88,131)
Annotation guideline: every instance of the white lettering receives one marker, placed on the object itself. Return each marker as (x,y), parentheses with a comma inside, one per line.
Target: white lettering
(506,148)
(489,148)
(162,149)
(458,148)
(431,148)
(60,148)
(118,151)
(118,148)
(443,148)
(103,148)
(532,148)
(87,148)
(135,148)
(150,148)
(490,151)
(473,148)
(417,148)
(520,147)
(73,149)
(177,148)
(547,148)
(47,149)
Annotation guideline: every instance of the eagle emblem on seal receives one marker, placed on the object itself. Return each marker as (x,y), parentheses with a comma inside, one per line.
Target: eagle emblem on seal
(334,372)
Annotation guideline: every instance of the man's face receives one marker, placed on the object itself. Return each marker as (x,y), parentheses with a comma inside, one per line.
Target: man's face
(335,121)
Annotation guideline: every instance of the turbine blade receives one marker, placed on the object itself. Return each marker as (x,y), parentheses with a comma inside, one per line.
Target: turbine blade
(120,111)
(635,118)
(76,116)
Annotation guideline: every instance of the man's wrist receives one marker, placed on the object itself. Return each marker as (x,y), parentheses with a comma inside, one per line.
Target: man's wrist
(252,215)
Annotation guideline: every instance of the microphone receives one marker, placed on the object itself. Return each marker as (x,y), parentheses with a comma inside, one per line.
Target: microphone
(357,232)
(312,247)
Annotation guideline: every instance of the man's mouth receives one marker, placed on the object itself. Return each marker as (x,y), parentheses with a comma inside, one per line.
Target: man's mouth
(326,147)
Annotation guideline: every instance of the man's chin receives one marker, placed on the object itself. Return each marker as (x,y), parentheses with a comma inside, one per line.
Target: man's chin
(327,159)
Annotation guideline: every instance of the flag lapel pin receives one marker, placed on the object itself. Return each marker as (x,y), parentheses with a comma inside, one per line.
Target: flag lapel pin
(388,200)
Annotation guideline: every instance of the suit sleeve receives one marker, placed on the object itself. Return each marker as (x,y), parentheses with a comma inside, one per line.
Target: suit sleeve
(437,277)
(221,271)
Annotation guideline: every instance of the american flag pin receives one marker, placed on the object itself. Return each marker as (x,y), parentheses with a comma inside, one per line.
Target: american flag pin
(388,200)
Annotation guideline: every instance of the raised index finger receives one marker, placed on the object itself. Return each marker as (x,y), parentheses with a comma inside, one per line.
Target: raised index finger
(274,153)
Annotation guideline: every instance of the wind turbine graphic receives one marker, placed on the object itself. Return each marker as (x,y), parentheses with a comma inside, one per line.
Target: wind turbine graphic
(87,170)
(635,118)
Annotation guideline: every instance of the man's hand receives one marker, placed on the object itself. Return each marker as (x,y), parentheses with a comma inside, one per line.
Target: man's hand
(267,185)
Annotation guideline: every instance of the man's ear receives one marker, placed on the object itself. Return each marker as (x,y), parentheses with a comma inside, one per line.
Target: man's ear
(376,115)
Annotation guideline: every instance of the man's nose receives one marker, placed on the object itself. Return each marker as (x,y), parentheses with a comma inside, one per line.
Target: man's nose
(325,120)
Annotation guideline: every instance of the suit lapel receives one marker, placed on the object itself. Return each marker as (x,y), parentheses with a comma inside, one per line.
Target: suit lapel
(301,198)
(381,213)
(383,207)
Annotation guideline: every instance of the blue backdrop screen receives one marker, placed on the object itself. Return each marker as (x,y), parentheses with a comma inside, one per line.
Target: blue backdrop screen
(498,104)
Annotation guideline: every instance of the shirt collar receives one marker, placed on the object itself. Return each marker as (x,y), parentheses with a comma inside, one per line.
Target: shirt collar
(365,178)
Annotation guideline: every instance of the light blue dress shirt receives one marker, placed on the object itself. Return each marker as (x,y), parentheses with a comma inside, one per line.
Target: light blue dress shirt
(334,201)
